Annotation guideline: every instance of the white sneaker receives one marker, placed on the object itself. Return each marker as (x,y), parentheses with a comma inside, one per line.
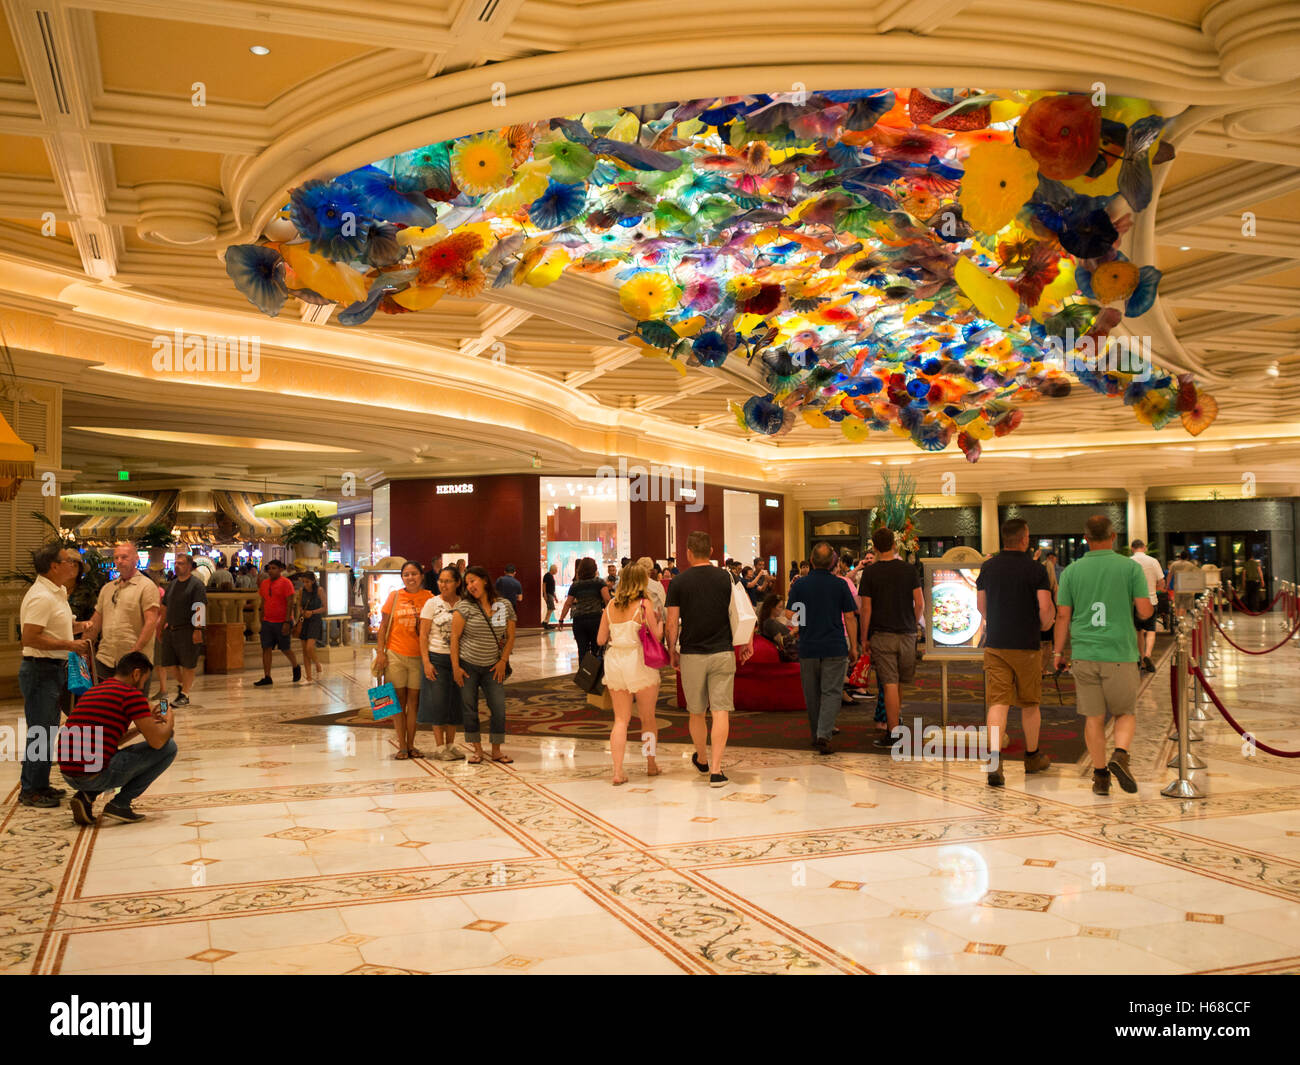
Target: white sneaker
(453,753)
(439,755)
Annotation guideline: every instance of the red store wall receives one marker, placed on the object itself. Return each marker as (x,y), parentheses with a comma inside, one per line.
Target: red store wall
(498,522)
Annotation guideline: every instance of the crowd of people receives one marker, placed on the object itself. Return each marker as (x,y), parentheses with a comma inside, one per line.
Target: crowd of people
(447,635)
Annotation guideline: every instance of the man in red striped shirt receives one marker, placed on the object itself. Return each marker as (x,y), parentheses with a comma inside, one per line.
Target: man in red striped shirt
(91,754)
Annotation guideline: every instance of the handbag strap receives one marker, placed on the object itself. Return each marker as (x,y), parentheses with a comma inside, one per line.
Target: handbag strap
(501,650)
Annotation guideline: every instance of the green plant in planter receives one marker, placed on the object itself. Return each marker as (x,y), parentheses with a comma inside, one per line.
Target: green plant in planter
(96,572)
(311,528)
(158,535)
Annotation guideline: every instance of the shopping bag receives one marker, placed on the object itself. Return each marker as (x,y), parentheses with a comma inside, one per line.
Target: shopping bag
(79,679)
(600,699)
(860,671)
(591,673)
(743,617)
(383,701)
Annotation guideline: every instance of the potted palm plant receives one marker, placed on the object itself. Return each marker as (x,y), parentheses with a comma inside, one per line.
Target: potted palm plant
(307,536)
(156,540)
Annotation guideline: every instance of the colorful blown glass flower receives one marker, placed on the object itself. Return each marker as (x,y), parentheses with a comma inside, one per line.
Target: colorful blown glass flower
(924,262)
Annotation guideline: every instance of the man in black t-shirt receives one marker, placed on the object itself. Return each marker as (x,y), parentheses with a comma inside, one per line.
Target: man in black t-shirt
(891,613)
(1015,600)
(548,592)
(699,608)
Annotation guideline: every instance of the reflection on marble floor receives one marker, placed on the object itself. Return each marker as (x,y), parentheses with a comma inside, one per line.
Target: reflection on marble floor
(294,849)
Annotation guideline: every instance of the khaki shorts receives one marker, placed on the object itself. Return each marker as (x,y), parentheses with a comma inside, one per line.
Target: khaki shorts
(709,682)
(1013,677)
(893,656)
(404,671)
(1102,687)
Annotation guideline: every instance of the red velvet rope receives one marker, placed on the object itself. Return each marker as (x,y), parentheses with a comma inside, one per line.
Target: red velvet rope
(1294,629)
(1231,721)
(1255,613)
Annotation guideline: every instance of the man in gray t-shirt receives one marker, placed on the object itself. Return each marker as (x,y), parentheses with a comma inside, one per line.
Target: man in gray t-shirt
(184,618)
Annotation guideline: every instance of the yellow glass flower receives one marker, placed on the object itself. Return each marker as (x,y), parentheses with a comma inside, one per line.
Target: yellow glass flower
(1150,407)
(482,164)
(999,180)
(530,182)
(647,296)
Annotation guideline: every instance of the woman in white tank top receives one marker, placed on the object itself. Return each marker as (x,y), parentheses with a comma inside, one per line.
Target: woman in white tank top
(626,674)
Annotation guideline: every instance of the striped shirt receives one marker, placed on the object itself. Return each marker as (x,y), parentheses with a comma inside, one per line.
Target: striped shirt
(104,712)
(481,645)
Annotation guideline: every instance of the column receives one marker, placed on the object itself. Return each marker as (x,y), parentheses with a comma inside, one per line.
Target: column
(1135,515)
(990,539)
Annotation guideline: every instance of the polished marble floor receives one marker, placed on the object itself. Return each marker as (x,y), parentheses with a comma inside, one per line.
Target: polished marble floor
(279,848)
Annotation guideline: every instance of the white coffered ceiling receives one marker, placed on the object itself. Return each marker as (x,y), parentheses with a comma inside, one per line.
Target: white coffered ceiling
(100,136)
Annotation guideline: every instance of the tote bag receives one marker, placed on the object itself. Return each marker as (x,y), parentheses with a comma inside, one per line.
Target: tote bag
(78,674)
(383,701)
(656,657)
(743,617)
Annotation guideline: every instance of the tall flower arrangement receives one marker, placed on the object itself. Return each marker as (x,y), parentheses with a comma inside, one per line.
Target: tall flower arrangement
(897,511)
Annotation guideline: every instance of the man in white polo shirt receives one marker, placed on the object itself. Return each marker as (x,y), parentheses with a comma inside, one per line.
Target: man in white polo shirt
(127,612)
(47,637)
(1146,627)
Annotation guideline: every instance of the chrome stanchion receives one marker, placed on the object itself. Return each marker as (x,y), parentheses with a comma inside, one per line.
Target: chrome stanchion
(1182,788)
(1196,712)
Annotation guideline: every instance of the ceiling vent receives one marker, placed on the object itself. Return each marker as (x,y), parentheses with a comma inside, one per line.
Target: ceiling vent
(56,66)
(92,240)
(489,10)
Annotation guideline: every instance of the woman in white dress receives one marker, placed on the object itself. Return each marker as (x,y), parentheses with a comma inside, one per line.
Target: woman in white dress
(626,674)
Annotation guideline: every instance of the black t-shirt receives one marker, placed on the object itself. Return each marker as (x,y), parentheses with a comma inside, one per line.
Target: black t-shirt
(179,600)
(703,593)
(586,597)
(548,583)
(889,585)
(1011,581)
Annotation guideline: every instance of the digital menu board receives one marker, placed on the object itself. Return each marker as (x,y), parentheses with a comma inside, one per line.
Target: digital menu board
(953,624)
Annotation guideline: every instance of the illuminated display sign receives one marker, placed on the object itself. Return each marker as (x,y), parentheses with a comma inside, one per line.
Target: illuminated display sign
(293,509)
(455,489)
(103,503)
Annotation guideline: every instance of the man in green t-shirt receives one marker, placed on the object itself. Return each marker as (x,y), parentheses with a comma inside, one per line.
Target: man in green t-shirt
(1098,598)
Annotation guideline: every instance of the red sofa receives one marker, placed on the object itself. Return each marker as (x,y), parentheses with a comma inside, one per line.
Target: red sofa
(764,682)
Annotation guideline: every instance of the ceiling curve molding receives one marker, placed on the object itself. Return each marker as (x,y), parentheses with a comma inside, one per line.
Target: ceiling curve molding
(176,213)
(1258,41)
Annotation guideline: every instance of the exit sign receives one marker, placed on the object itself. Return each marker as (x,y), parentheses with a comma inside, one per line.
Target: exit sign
(123,475)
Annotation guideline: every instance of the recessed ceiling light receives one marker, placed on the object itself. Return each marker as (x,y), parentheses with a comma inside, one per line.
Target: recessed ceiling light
(1184,247)
(260,49)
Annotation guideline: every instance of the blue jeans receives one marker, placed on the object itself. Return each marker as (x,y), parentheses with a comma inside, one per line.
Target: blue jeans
(439,698)
(823,689)
(495,694)
(41,680)
(131,770)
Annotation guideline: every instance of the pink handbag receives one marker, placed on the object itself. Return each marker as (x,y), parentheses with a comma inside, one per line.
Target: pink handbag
(656,657)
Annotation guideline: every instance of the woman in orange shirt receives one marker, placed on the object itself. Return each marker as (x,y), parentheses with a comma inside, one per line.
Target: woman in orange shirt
(399,653)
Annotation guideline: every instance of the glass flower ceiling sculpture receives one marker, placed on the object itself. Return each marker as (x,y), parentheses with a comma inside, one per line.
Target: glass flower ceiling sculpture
(916,261)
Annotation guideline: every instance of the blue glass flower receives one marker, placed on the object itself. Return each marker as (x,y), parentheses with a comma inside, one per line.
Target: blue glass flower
(392,198)
(330,216)
(710,349)
(258,272)
(1144,296)
(558,205)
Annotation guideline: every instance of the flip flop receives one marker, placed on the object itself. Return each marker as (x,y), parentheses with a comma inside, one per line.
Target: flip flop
(505,759)
(474,759)
(401,756)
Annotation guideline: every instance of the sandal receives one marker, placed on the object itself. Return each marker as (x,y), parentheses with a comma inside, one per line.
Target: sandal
(474,759)
(505,759)
(401,756)
(620,783)
(415,752)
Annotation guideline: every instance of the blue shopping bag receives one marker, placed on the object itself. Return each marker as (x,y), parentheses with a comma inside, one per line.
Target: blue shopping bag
(383,701)
(79,679)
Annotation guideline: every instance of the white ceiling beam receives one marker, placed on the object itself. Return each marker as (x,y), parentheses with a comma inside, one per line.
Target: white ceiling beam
(693,387)
(607,360)
(1247,299)
(496,322)
(476,28)
(1271,236)
(1221,192)
(1210,274)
